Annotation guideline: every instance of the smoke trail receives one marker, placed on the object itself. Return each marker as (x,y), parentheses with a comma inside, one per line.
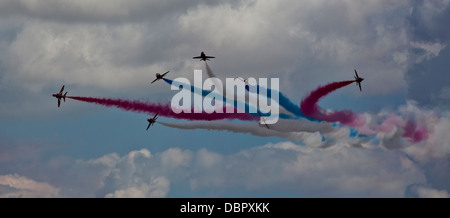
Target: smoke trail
(310,108)
(287,107)
(409,129)
(253,129)
(209,71)
(249,107)
(414,132)
(224,98)
(164,109)
(313,139)
(284,101)
(193,88)
(302,125)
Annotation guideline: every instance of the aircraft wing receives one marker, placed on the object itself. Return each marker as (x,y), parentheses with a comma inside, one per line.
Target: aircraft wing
(165,73)
(359,84)
(209,57)
(155,115)
(62,89)
(59,102)
(356,73)
(198,57)
(149,125)
(154,80)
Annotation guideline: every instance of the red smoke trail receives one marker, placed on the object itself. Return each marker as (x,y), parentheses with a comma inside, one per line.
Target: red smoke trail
(310,108)
(412,130)
(164,109)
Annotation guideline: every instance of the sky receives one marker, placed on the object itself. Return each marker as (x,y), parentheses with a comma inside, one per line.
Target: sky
(113,49)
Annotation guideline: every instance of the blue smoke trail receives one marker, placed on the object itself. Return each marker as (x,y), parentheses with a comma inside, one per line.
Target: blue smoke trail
(284,102)
(247,106)
(193,88)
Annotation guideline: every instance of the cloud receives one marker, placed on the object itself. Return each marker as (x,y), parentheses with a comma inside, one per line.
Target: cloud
(141,174)
(438,145)
(76,54)
(431,50)
(21,186)
(427,19)
(422,191)
(299,170)
(312,172)
(431,193)
(157,188)
(111,45)
(431,75)
(298,43)
(105,11)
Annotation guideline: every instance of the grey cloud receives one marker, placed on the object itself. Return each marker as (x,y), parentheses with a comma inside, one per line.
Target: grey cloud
(428,20)
(102,11)
(427,76)
(302,171)
(251,38)
(427,80)
(304,39)
(423,191)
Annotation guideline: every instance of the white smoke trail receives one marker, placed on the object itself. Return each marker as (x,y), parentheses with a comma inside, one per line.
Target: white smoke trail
(253,128)
(209,71)
(302,125)
(303,132)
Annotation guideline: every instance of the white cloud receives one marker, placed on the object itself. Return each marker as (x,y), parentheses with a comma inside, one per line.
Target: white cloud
(302,171)
(314,172)
(424,192)
(157,188)
(438,143)
(21,186)
(431,50)
(90,55)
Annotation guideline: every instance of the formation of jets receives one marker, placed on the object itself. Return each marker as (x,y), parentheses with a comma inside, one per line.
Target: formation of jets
(60,96)
(202,57)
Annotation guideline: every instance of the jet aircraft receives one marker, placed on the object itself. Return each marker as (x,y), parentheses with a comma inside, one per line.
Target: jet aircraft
(203,57)
(151,121)
(263,119)
(358,80)
(60,96)
(159,76)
